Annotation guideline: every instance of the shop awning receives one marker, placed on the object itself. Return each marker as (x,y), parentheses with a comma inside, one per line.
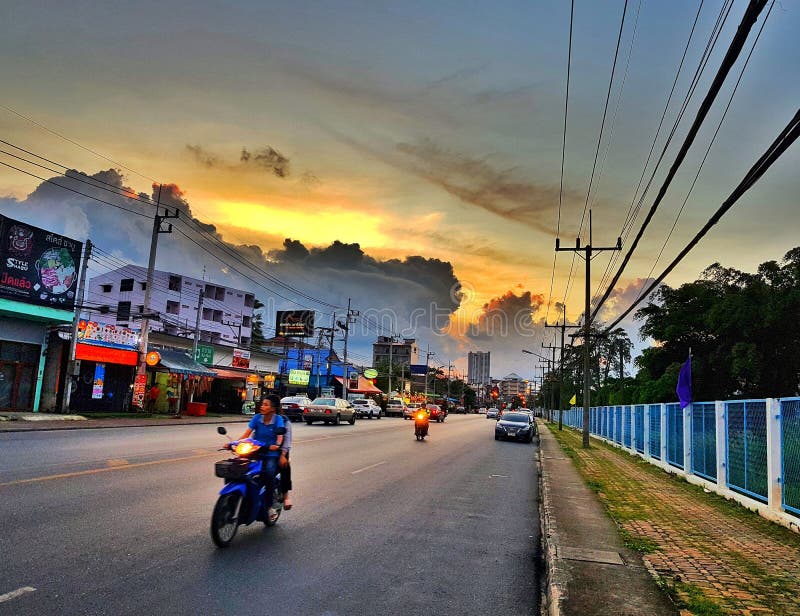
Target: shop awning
(178,362)
(364,386)
(234,375)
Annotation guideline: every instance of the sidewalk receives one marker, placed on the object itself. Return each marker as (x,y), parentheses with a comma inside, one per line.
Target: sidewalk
(710,556)
(589,570)
(29,422)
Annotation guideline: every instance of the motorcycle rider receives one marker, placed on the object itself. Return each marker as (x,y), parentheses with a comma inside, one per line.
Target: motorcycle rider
(268,428)
(421,424)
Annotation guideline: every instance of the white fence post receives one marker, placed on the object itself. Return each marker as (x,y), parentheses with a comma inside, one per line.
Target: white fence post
(687,439)
(663,412)
(632,418)
(722,445)
(646,424)
(774,479)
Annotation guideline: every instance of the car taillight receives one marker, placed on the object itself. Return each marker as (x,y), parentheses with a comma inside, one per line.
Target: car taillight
(305,410)
(294,406)
(327,411)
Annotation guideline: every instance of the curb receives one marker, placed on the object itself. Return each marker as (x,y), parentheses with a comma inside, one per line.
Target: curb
(81,425)
(556,576)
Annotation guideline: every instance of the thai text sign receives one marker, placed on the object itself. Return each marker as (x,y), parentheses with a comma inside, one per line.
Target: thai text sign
(37,266)
(294,323)
(241,358)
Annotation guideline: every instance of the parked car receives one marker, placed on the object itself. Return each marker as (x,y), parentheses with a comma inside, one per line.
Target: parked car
(395,406)
(460,410)
(492,413)
(293,406)
(514,426)
(366,407)
(330,410)
(482,410)
(437,413)
(409,410)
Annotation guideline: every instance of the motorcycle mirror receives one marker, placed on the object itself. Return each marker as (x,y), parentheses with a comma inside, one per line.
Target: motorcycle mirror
(221,430)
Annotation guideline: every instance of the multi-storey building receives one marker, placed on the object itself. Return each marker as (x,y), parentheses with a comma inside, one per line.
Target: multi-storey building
(226,318)
(478,368)
(403,352)
(512,385)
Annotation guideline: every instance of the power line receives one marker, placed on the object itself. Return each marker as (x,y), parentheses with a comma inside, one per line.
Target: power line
(785,139)
(751,15)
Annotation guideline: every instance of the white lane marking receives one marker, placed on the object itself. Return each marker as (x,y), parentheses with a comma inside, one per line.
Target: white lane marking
(503,476)
(366,468)
(16,593)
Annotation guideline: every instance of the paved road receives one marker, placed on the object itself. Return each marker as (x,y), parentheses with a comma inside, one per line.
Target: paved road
(116,522)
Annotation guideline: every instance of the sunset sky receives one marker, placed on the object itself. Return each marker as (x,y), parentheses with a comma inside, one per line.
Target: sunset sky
(410,128)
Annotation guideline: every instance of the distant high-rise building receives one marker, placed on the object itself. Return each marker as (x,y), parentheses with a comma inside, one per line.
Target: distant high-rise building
(478,368)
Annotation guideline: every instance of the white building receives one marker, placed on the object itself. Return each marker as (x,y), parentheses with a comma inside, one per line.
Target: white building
(226,318)
(478,368)
(512,385)
(405,351)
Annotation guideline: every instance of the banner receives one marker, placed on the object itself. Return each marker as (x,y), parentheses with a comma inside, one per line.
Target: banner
(37,266)
(108,335)
(573,399)
(684,388)
(99,379)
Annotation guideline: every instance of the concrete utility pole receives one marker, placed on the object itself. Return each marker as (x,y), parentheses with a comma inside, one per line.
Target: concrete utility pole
(562,327)
(389,388)
(589,252)
(552,380)
(141,371)
(427,359)
(346,327)
(73,341)
(330,351)
(197,324)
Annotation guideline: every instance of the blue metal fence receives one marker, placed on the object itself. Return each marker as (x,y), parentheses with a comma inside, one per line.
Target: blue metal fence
(704,440)
(790,453)
(626,426)
(675,435)
(618,425)
(654,417)
(746,447)
(638,430)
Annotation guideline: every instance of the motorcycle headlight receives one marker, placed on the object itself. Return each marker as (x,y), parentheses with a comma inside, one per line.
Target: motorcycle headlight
(245,448)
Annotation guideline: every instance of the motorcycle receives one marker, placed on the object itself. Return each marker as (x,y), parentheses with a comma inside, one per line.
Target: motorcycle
(421,423)
(243,500)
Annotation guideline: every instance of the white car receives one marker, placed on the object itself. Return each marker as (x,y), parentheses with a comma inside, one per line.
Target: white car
(492,413)
(395,406)
(409,410)
(365,407)
(482,410)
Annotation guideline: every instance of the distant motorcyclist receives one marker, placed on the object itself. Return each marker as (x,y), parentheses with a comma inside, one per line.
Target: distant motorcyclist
(421,422)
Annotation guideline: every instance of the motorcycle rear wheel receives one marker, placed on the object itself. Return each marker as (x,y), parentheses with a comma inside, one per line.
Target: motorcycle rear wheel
(225,519)
(274,512)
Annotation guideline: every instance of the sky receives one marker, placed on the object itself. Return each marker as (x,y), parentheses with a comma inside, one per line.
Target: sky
(404,155)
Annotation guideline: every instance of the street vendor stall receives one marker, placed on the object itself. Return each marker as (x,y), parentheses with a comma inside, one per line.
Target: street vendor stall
(181,379)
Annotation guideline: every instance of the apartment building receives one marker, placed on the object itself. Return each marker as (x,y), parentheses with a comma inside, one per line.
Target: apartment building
(404,351)
(226,317)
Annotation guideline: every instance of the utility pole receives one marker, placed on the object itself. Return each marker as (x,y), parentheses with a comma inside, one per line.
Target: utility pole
(141,371)
(449,367)
(589,252)
(346,327)
(391,344)
(197,324)
(73,341)
(427,359)
(562,327)
(552,380)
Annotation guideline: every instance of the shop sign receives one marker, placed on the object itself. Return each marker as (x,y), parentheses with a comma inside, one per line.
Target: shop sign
(308,362)
(152,358)
(37,266)
(370,373)
(294,323)
(108,335)
(99,378)
(299,377)
(138,390)
(204,355)
(241,358)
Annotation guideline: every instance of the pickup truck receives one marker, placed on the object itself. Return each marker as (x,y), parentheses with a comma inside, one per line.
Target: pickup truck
(330,410)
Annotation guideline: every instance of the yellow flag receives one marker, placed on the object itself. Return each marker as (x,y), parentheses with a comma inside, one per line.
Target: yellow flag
(573,399)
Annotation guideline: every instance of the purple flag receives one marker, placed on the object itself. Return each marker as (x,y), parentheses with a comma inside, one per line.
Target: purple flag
(684,388)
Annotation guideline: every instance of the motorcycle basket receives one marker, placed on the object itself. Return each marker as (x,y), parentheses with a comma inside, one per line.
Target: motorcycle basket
(233,468)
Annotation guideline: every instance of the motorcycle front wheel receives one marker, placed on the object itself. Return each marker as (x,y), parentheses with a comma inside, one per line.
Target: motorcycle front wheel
(225,519)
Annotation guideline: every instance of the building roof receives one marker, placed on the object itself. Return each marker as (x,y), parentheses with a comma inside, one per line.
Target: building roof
(512,377)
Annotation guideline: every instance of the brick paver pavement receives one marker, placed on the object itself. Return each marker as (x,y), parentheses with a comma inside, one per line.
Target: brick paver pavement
(711,554)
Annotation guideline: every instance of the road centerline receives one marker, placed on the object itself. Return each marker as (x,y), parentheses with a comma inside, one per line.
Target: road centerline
(16,593)
(366,468)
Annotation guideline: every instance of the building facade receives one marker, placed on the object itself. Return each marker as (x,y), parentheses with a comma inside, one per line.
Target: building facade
(226,317)
(512,385)
(478,366)
(405,352)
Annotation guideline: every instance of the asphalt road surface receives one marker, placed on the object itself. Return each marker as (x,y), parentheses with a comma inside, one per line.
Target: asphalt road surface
(116,521)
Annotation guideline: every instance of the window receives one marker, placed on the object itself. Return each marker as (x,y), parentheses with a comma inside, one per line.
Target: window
(174,283)
(144,286)
(245,321)
(141,309)
(106,287)
(123,311)
(104,309)
(173,307)
(126,284)
(249,301)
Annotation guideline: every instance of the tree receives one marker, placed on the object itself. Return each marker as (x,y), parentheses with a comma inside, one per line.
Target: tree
(257,331)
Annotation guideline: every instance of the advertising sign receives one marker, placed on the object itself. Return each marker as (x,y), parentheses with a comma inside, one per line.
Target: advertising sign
(138,390)
(298,377)
(419,369)
(294,323)
(308,362)
(37,266)
(371,373)
(108,335)
(99,378)
(205,355)
(241,358)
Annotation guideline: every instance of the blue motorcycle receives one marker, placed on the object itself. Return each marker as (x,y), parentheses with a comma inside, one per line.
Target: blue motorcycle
(243,500)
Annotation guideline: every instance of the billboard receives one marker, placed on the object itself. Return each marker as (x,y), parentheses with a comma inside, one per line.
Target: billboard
(241,358)
(37,266)
(419,369)
(108,335)
(298,377)
(294,323)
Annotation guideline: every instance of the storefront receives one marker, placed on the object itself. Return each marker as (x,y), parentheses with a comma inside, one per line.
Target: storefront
(180,380)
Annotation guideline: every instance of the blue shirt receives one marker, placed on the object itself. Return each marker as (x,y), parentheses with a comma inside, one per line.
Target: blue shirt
(266,433)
